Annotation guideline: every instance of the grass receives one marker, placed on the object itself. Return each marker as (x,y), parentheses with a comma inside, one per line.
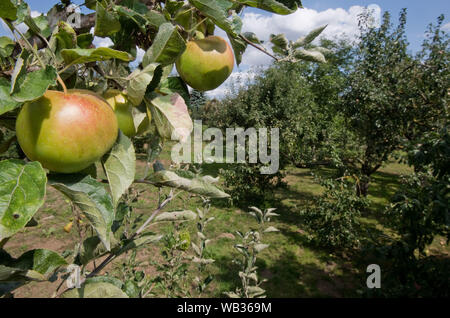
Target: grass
(293,265)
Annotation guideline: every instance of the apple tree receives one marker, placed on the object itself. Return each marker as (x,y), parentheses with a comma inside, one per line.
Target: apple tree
(73,107)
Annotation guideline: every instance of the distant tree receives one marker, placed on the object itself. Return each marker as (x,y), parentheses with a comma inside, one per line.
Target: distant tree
(429,84)
(392,98)
(198,100)
(376,99)
(420,208)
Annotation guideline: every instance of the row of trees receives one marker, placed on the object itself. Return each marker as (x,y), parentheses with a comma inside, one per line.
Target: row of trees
(373,101)
(368,102)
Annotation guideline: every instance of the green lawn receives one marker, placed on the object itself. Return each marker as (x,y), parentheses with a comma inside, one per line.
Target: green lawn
(293,265)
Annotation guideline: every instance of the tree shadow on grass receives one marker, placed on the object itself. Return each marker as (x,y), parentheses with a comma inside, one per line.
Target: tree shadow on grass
(288,277)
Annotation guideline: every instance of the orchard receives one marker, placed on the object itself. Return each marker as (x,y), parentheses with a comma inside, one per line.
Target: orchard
(73,114)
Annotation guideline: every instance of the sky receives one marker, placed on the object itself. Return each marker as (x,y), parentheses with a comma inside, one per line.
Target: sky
(340,15)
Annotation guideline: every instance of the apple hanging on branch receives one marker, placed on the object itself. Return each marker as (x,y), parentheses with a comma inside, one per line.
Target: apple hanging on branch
(124,113)
(206,63)
(66,132)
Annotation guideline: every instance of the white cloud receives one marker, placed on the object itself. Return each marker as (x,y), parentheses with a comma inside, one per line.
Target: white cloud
(139,55)
(236,80)
(340,23)
(101,42)
(446,27)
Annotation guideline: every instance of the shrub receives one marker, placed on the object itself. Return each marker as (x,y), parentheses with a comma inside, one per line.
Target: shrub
(334,220)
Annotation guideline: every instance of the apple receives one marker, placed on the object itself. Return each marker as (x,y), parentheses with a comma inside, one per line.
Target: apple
(123,110)
(66,132)
(206,63)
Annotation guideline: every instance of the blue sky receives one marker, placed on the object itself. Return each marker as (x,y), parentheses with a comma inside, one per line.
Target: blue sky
(420,13)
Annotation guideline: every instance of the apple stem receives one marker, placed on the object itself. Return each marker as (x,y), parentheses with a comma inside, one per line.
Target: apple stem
(61,82)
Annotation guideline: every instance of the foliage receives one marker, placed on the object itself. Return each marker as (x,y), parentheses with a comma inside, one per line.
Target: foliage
(334,220)
(421,208)
(245,183)
(171,279)
(251,245)
(392,97)
(56,54)
(200,248)
(375,101)
(304,108)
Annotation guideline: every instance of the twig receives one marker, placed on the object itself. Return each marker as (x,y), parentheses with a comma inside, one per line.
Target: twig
(111,257)
(162,205)
(258,47)
(35,51)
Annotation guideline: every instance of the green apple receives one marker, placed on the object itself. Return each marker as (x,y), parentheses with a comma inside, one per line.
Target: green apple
(206,63)
(123,109)
(66,132)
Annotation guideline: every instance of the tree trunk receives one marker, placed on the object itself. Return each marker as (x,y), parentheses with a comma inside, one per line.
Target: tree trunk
(362,187)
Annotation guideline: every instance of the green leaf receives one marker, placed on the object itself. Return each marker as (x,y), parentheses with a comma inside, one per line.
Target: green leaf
(273,6)
(5,144)
(172,7)
(8,10)
(42,261)
(239,46)
(255,291)
(91,249)
(271,229)
(309,55)
(138,82)
(167,46)
(185,215)
(155,18)
(171,117)
(80,56)
(106,23)
(165,178)
(92,199)
(120,167)
(279,40)
(20,68)
(95,290)
(175,84)
(65,36)
(131,289)
(84,40)
(39,25)
(251,37)
(30,86)
(23,10)
(139,19)
(143,239)
(217,11)
(22,191)
(259,247)
(6,46)
(309,38)
(322,50)
(29,21)
(7,103)
(91,4)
